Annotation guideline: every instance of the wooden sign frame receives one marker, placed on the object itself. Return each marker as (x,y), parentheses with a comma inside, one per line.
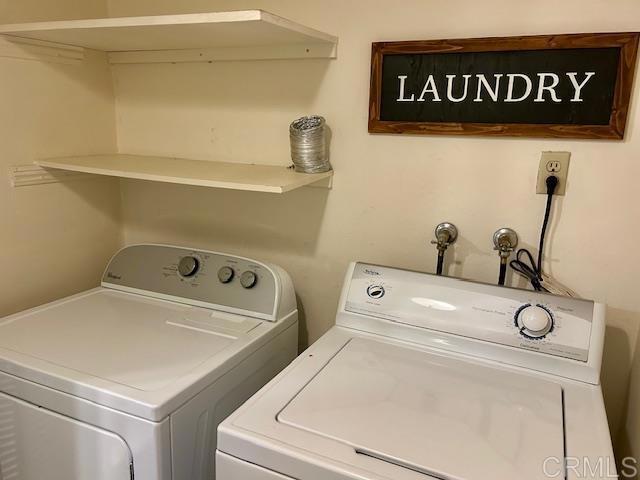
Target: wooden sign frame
(626,42)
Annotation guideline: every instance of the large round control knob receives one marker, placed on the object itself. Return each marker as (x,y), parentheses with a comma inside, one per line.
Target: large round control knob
(534,321)
(248,279)
(188,266)
(375,291)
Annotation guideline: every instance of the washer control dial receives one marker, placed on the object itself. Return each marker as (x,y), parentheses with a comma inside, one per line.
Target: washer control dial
(375,291)
(248,279)
(188,266)
(225,274)
(534,321)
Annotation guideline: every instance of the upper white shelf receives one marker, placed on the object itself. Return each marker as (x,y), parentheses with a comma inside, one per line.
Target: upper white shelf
(218,30)
(234,176)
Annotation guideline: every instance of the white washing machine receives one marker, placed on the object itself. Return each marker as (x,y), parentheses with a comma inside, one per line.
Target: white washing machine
(130,380)
(432,377)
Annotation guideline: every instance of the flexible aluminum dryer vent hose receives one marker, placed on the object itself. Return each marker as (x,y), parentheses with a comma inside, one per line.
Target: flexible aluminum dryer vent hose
(309,145)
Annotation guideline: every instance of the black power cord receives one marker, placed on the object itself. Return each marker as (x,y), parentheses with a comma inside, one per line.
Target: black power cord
(527,270)
(552,184)
(531,270)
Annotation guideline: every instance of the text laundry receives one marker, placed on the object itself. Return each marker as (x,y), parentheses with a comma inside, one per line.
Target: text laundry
(510,87)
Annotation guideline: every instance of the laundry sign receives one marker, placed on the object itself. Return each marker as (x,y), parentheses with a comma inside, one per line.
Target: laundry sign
(575,86)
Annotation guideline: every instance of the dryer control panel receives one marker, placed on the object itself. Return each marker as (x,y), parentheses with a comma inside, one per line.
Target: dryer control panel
(208,279)
(522,319)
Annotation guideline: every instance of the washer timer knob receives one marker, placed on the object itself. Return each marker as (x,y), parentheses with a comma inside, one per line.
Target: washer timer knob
(534,321)
(248,279)
(188,266)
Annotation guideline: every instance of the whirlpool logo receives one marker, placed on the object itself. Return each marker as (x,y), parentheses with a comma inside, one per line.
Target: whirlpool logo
(371,272)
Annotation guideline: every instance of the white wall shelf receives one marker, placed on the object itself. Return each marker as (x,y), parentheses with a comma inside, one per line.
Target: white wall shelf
(234,176)
(235,35)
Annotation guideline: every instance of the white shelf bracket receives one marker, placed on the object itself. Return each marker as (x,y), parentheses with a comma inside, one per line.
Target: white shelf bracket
(38,50)
(28,175)
(201,55)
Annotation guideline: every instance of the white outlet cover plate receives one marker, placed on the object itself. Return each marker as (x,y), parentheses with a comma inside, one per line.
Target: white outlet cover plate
(560,170)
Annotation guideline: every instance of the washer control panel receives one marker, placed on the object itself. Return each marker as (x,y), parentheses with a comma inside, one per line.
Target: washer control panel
(195,276)
(522,319)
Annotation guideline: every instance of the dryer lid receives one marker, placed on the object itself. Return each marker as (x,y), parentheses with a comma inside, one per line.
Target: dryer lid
(433,414)
(141,343)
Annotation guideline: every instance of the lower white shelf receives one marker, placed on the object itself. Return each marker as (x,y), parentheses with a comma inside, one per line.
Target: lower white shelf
(234,176)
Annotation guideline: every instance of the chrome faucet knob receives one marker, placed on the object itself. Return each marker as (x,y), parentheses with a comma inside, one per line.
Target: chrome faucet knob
(505,241)
(446,234)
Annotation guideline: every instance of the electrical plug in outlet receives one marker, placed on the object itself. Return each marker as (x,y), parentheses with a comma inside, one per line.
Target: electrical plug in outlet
(553,163)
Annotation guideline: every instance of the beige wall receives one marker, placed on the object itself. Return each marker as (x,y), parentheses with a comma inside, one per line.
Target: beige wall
(55,239)
(389,192)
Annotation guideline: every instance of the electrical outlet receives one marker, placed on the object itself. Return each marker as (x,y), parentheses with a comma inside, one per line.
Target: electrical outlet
(553,163)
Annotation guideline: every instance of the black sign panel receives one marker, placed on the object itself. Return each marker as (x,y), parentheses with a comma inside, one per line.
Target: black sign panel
(562,86)
(550,87)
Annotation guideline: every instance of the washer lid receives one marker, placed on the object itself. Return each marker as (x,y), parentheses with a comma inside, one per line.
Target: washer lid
(433,414)
(141,343)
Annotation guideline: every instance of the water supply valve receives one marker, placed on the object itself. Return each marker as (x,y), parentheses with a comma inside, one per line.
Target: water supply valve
(505,241)
(446,234)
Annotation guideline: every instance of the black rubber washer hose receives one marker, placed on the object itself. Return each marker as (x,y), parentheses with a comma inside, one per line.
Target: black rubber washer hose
(440,263)
(503,273)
